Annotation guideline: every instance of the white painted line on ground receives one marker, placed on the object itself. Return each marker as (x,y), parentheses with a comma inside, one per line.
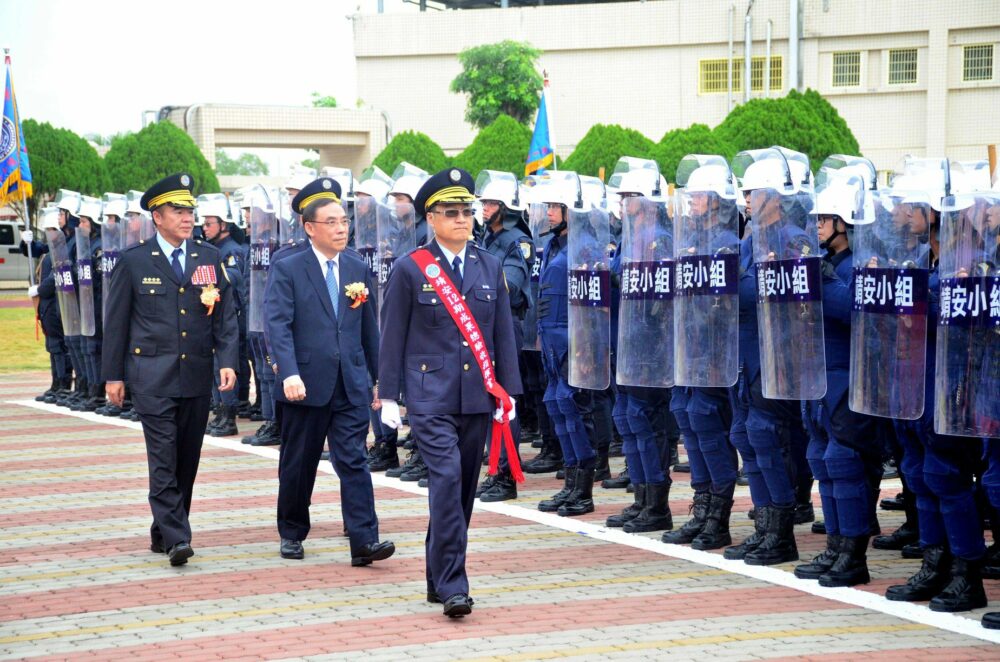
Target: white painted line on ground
(915,613)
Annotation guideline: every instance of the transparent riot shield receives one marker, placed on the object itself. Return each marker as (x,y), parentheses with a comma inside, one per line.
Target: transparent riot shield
(967,370)
(138,227)
(395,225)
(263,244)
(789,295)
(706,307)
(85,283)
(366,231)
(111,245)
(538,223)
(589,299)
(646,310)
(889,312)
(62,271)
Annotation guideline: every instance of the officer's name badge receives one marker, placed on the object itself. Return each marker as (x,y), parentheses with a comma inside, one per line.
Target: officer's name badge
(151,280)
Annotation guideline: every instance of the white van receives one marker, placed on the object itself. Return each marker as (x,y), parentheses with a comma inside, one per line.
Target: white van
(13,265)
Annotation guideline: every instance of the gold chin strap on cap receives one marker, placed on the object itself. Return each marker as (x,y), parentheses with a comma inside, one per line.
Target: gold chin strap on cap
(450,194)
(181,198)
(324,195)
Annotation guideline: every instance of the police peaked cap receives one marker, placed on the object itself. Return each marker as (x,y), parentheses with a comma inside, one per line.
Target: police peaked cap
(324,188)
(173,190)
(449,185)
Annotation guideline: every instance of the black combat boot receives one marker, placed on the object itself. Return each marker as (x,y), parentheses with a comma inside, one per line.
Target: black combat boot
(503,488)
(603,470)
(822,562)
(691,528)
(383,456)
(991,563)
(804,511)
(964,591)
(906,534)
(929,581)
(754,540)
(581,500)
(269,434)
(630,511)
(715,534)
(64,393)
(416,471)
(549,459)
(96,400)
(412,460)
(778,545)
(79,396)
(215,420)
(227,423)
(552,504)
(850,568)
(621,481)
(50,391)
(655,514)
(675,459)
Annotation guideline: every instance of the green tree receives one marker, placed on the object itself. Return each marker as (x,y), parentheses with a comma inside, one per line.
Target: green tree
(138,160)
(312,164)
(803,122)
(503,145)
(59,159)
(414,147)
(603,145)
(499,79)
(246,164)
(320,101)
(696,139)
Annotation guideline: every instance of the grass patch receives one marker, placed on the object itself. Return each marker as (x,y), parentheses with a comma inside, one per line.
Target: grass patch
(20,349)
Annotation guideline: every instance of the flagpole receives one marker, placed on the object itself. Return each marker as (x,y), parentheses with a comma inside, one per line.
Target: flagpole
(548,118)
(24,195)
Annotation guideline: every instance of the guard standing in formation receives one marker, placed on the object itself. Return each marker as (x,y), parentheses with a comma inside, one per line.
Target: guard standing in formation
(448,344)
(170,310)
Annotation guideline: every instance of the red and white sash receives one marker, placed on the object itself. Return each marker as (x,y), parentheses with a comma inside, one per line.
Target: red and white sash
(467,325)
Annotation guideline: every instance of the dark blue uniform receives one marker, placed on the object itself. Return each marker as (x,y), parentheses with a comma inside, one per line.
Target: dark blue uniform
(160,336)
(234,256)
(424,356)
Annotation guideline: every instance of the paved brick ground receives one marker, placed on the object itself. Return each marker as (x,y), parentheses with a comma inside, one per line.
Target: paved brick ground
(77,581)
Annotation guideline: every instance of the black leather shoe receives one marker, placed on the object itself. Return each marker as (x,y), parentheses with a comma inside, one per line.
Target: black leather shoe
(912,551)
(819,528)
(422,482)
(157,547)
(435,599)
(292,549)
(376,551)
(991,620)
(457,606)
(893,503)
(180,553)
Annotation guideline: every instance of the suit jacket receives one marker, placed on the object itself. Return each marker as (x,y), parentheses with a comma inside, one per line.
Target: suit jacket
(307,339)
(424,355)
(158,332)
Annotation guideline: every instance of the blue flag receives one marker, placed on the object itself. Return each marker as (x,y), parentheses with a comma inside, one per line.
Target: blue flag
(540,153)
(15,174)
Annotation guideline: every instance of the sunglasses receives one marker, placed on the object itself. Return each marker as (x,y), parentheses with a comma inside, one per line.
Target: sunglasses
(452,214)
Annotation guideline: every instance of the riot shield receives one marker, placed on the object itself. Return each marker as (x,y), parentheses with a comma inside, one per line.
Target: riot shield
(967,370)
(538,223)
(263,244)
(111,244)
(62,271)
(789,295)
(366,231)
(589,299)
(706,307)
(85,283)
(889,312)
(646,311)
(395,225)
(138,227)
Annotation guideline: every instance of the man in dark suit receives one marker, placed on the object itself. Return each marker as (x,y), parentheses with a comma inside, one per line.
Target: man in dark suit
(323,336)
(425,355)
(170,309)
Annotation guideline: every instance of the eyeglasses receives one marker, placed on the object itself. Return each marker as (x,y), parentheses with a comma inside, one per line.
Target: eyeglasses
(452,214)
(342,223)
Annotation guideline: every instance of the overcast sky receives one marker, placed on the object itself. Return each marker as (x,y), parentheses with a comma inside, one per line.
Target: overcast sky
(94,66)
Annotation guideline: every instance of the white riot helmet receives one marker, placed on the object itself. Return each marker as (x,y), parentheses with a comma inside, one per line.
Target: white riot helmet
(970,177)
(840,164)
(114,205)
(923,181)
(561,187)
(500,187)
(843,197)
(344,177)
(595,193)
(706,173)
(68,201)
(50,219)
(407,180)
(375,183)
(299,177)
(91,208)
(637,176)
(133,205)
(212,204)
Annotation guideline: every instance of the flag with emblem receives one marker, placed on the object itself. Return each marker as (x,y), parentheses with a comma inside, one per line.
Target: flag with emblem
(204,274)
(540,152)
(15,175)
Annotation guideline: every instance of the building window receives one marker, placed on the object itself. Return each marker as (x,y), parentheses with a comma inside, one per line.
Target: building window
(847,69)
(977,62)
(712,75)
(902,66)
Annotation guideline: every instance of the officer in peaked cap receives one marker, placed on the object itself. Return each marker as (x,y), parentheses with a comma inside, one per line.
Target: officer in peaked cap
(170,310)
(425,355)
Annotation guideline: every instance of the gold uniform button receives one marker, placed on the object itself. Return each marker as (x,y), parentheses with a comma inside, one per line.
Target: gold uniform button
(181,290)
(465,367)
(423,367)
(183,312)
(184,334)
(184,356)
(465,343)
(138,351)
(434,300)
(152,291)
(463,297)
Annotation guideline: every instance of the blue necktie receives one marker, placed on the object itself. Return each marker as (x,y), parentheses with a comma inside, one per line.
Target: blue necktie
(331,285)
(175,262)
(456,267)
